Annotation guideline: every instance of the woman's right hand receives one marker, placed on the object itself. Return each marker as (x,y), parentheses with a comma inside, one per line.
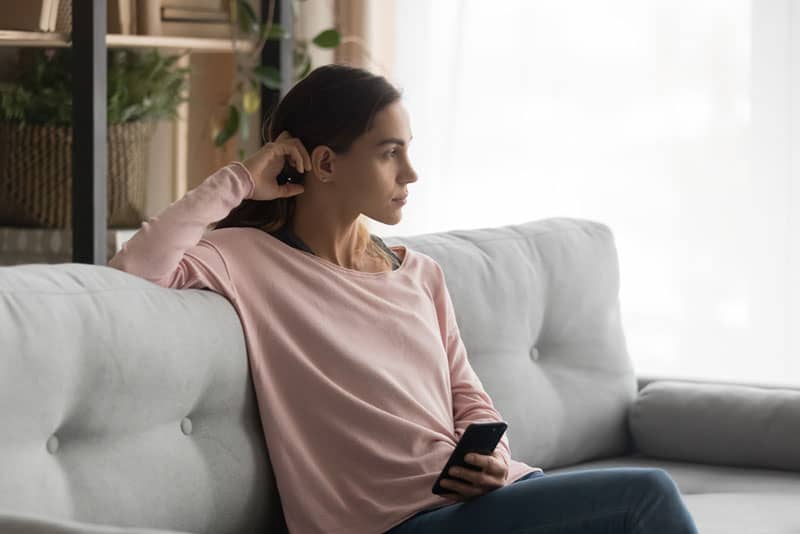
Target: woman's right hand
(268,161)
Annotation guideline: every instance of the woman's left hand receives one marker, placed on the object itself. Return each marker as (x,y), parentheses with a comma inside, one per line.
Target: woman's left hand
(469,484)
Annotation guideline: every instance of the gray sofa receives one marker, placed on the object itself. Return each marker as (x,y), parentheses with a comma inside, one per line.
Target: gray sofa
(127,407)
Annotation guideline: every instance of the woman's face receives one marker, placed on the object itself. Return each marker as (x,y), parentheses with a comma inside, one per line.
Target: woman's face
(377,169)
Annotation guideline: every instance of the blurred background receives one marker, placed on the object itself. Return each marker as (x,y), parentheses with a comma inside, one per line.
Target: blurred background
(674,122)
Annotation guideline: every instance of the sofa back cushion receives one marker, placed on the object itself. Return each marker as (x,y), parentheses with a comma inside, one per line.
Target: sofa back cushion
(538,310)
(126,403)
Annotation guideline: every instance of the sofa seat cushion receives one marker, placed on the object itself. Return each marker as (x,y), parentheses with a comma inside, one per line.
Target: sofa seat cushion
(761,513)
(693,478)
(724,500)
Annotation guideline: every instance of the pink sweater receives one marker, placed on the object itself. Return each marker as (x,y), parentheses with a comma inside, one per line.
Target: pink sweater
(362,379)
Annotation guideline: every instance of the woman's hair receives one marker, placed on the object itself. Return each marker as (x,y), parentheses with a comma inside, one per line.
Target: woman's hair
(331,106)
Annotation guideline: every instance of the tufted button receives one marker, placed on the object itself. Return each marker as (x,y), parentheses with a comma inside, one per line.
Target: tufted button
(52,444)
(534,353)
(186,426)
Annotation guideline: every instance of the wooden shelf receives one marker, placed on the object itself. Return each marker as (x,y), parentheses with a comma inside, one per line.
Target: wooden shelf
(52,39)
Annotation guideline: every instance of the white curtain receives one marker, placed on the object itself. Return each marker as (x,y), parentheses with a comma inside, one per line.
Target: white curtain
(669,120)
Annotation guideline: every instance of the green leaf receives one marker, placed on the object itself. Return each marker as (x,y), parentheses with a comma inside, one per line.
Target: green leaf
(140,86)
(268,75)
(327,39)
(248,22)
(244,130)
(230,127)
(304,68)
(276,32)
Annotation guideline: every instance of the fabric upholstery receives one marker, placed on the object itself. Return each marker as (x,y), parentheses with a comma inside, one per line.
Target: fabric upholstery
(11,523)
(697,478)
(538,308)
(128,406)
(718,424)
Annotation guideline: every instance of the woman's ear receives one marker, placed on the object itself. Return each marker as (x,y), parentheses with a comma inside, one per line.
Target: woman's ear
(322,162)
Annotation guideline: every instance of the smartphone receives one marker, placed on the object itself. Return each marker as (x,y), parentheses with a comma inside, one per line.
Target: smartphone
(289,173)
(478,437)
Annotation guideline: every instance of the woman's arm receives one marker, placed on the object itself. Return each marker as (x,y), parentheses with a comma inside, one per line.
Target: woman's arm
(169,250)
(471,403)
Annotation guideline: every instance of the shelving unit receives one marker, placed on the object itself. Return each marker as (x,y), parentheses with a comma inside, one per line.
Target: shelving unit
(192,153)
(62,40)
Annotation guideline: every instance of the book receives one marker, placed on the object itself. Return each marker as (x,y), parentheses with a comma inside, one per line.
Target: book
(26,15)
(52,16)
(184,18)
(119,17)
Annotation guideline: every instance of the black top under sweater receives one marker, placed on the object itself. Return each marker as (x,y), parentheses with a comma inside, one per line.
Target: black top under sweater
(285,234)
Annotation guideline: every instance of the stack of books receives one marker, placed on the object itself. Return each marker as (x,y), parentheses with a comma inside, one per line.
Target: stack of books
(56,15)
(29,15)
(185,18)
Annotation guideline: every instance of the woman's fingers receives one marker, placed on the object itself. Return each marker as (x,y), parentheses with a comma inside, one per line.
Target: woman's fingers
(491,475)
(292,152)
(488,464)
(462,488)
(304,152)
(289,189)
(295,149)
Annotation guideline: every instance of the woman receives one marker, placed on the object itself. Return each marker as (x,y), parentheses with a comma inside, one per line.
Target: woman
(362,380)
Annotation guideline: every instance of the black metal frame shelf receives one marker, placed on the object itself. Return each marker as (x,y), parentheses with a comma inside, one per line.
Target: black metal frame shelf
(89,152)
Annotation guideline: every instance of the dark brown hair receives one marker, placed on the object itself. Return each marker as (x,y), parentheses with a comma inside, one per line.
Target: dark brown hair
(332,106)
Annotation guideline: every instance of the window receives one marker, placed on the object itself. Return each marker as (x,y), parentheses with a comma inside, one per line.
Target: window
(670,121)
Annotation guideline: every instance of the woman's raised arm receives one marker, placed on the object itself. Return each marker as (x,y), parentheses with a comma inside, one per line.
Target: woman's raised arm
(168,250)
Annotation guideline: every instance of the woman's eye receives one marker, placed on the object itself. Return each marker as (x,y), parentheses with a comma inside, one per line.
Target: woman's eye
(390,153)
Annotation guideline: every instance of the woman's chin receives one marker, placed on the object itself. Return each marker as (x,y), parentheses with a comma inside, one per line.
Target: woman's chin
(389,218)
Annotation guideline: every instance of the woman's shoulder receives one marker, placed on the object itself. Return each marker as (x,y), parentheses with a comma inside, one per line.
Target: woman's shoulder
(233,240)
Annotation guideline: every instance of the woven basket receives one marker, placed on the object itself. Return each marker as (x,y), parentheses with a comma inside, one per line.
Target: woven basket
(36,174)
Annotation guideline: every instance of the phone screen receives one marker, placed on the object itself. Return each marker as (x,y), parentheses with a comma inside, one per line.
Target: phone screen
(478,437)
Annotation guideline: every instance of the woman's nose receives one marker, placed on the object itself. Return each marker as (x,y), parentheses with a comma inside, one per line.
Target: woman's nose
(411,174)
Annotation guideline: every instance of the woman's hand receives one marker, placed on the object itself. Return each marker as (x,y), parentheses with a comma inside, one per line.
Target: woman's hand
(475,483)
(266,163)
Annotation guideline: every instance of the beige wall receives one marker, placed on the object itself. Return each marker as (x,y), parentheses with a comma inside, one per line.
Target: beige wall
(367,28)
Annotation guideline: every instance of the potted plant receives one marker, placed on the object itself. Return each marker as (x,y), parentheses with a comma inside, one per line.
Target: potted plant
(36,133)
(245,99)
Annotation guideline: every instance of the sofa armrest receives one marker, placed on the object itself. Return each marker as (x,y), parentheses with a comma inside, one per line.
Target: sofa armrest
(15,523)
(716,423)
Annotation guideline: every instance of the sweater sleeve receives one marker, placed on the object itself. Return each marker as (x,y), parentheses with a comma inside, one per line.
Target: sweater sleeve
(471,402)
(169,248)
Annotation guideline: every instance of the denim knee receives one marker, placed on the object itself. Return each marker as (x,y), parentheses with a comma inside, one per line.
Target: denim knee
(659,479)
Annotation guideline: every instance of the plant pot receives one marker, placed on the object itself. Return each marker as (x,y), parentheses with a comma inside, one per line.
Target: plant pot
(36,174)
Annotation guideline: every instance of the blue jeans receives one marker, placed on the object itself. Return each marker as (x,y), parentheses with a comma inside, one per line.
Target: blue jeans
(615,500)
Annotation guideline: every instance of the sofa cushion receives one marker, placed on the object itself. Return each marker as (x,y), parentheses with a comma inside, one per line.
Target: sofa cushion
(13,523)
(694,478)
(538,311)
(126,403)
(762,513)
(725,424)
(724,500)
